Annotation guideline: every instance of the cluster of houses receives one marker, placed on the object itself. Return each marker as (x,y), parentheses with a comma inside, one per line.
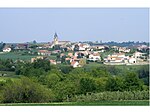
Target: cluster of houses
(121,49)
(79,58)
(77,54)
(8,48)
(75,59)
(121,58)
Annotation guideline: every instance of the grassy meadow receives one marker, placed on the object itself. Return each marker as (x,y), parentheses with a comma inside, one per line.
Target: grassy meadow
(15,56)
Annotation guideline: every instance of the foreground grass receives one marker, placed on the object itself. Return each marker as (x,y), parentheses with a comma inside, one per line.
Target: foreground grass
(100,103)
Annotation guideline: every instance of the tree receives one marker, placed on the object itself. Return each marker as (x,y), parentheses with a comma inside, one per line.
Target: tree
(98,72)
(34,46)
(2,45)
(114,84)
(101,84)
(76,48)
(37,68)
(34,42)
(63,59)
(132,82)
(65,90)
(65,49)
(43,64)
(26,91)
(50,80)
(82,62)
(87,85)
(144,74)
(65,69)
(57,47)
(78,71)
(58,56)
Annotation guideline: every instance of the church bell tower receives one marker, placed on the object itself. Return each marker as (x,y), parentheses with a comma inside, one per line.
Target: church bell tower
(55,39)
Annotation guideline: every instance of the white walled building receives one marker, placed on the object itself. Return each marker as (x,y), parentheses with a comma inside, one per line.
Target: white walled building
(132,60)
(7,49)
(94,57)
(138,54)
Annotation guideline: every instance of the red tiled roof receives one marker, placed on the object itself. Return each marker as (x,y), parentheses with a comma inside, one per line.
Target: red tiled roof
(73,62)
(44,51)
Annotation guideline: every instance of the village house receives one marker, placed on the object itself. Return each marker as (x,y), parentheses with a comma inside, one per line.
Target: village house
(70,54)
(80,46)
(120,58)
(68,59)
(53,62)
(94,57)
(80,54)
(69,48)
(132,60)
(21,46)
(124,49)
(44,52)
(73,58)
(115,47)
(138,54)
(142,47)
(46,46)
(98,47)
(62,54)
(36,58)
(115,58)
(6,49)
(75,64)
(56,51)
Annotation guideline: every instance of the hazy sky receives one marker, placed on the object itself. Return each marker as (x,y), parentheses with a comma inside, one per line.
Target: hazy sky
(78,24)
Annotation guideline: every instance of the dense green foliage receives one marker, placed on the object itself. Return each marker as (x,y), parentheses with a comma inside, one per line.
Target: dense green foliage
(6,65)
(42,82)
(25,91)
(37,68)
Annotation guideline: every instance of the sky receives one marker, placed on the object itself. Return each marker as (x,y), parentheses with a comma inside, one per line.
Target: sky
(74,24)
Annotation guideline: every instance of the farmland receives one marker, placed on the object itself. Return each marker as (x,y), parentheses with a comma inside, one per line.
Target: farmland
(20,56)
(15,56)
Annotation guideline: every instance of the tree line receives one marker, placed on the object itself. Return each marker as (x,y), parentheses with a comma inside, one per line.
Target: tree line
(41,82)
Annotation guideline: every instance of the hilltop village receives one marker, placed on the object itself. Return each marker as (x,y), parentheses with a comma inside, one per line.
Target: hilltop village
(80,72)
(78,54)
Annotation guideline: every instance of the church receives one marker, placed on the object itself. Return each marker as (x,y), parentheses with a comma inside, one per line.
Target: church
(57,42)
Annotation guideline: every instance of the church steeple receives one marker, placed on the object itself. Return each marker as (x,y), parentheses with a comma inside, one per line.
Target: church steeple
(55,39)
(55,35)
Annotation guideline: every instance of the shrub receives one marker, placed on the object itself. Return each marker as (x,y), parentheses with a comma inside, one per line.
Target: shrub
(108,96)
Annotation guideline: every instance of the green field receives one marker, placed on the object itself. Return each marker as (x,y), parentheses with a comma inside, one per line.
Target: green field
(100,103)
(15,56)
(8,73)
